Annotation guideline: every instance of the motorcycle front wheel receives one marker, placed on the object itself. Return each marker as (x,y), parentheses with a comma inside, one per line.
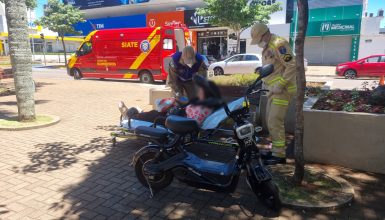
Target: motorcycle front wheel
(268,194)
(162,181)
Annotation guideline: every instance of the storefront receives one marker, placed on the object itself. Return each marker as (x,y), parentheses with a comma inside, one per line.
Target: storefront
(333,34)
(212,43)
(208,39)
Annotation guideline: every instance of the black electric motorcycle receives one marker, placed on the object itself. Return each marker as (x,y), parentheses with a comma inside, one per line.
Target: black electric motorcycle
(157,164)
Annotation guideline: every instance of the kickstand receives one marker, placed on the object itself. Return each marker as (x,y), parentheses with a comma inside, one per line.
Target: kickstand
(150,188)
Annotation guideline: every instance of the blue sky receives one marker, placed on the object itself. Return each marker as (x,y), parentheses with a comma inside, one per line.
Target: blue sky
(39,9)
(373,7)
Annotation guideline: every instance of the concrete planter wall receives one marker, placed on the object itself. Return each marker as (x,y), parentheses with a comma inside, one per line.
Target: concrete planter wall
(354,140)
(158,94)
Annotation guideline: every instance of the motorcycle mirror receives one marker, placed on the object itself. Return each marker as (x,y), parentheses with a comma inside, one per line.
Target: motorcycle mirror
(266,70)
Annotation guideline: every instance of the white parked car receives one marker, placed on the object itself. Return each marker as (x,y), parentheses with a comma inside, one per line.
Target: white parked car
(240,63)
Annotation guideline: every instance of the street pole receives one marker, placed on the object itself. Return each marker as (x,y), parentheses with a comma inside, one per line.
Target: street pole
(45,61)
(57,48)
(33,48)
(33,41)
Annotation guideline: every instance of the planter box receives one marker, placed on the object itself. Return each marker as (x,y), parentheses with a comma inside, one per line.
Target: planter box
(354,140)
(230,93)
(158,94)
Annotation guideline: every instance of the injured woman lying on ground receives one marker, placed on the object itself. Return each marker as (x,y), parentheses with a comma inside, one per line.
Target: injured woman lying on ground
(207,101)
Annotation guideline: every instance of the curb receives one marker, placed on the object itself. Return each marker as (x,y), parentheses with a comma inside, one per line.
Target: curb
(56,119)
(320,75)
(346,188)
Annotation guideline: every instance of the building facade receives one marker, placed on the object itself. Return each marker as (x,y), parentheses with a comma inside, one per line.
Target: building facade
(50,43)
(333,34)
(372,38)
(338,31)
(207,39)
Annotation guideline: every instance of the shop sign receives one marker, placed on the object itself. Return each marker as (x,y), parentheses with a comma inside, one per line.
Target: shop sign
(262,2)
(354,48)
(213,33)
(332,28)
(193,20)
(88,4)
(111,23)
(165,18)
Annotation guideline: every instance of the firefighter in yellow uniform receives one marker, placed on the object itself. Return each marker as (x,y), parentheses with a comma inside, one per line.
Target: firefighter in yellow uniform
(281,85)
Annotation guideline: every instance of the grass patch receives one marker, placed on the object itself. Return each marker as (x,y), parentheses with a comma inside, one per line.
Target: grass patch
(4,91)
(316,189)
(14,123)
(235,79)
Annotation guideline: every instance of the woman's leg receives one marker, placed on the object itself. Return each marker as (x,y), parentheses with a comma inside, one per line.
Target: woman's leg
(149,116)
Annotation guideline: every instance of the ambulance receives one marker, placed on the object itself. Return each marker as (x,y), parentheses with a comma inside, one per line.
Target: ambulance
(131,53)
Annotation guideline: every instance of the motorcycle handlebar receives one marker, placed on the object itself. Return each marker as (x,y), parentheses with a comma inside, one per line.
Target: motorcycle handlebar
(263,72)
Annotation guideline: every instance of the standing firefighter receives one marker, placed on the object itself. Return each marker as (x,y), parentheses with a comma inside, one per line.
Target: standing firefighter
(281,85)
(183,66)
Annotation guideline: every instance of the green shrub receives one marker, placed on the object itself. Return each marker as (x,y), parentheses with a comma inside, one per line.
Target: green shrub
(235,79)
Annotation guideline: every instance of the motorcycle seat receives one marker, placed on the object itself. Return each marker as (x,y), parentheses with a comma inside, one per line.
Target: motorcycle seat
(151,132)
(181,125)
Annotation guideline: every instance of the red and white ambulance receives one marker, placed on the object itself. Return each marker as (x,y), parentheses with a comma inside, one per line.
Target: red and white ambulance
(132,53)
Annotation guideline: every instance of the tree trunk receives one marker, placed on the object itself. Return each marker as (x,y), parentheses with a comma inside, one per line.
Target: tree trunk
(238,41)
(21,58)
(65,51)
(303,13)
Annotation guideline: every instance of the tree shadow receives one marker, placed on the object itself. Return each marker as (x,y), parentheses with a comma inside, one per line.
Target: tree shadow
(3,210)
(59,155)
(107,127)
(5,114)
(39,85)
(368,199)
(14,103)
(111,189)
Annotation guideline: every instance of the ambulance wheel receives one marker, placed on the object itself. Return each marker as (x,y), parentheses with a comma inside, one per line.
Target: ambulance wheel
(76,73)
(146,77)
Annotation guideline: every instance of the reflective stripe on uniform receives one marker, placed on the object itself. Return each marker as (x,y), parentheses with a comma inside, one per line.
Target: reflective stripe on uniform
(275,80)
(280,102)
(292,88)
(279,144)
(282,81)
(279,149)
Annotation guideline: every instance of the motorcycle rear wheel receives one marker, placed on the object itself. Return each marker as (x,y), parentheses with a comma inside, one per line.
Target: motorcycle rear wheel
(162,182)
(268,194)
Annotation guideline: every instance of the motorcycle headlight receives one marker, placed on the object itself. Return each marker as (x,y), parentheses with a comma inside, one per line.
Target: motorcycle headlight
(245,131)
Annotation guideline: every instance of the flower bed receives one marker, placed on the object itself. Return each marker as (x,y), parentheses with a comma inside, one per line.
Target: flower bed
(369,101)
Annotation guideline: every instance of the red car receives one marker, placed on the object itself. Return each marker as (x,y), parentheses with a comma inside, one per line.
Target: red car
(369,66)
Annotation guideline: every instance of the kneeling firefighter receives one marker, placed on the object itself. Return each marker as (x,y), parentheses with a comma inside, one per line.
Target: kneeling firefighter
(183,66)
(281,85)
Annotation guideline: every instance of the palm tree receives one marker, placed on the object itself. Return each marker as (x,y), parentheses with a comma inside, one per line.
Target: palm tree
(303,15)
(21,58)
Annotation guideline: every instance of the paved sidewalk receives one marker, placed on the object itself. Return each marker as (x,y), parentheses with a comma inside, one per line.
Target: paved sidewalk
(320,71)
(71,170)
